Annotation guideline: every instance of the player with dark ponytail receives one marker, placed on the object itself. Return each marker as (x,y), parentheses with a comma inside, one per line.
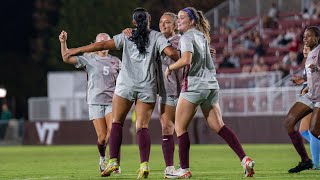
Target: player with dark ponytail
(137,83)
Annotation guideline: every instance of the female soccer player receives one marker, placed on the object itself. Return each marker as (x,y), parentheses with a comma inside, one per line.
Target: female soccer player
(305,122)
(170,93)
(308,103)
(103,70)
(199,87)
(136,83)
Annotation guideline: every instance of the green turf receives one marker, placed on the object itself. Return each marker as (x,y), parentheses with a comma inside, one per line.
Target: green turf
(206,162)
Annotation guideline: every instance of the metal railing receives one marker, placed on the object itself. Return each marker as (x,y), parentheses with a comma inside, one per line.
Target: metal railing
(258,101)
(233,102)
(248,80)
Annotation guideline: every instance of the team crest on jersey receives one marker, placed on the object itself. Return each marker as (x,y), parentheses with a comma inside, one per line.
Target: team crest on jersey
(313,57)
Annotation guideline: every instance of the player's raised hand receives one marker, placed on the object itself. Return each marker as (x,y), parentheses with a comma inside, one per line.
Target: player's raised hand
(297,80)
(127,32)
(63,36)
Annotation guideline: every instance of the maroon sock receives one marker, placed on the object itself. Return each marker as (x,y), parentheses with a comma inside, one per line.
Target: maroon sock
(297,142)
(168,149)
(115,140)
(184,148)
(231,139)
(119,156)
(144,142)
(102,149)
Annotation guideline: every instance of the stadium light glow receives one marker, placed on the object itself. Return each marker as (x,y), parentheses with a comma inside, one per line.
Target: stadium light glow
(3,92)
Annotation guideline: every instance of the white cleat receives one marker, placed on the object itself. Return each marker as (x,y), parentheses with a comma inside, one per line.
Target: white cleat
(181,174)
(169,172)
(102,164)
(248,164)
(117,171)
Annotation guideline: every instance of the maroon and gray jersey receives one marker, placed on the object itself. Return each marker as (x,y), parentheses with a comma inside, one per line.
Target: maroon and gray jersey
(173,86)
(102,76)
(201,73)
(313,78)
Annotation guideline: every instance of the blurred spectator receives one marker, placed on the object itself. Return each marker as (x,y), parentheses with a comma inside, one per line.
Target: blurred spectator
(284,38)
(246,68)
(258,47)
(312,9)
(247,43)
(5,113)
(289,63)
(317,11)
(232,23)
(225,61)
(259,65)
(294,45)
(273,12)
(270,20)
(305,14)
(4,119)
(234,59)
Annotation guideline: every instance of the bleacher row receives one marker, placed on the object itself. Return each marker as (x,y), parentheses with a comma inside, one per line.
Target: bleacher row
(272,55)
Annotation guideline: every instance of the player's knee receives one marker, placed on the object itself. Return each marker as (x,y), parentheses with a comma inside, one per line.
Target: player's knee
(289,122)
(179,129)
(167,126)
(102,137)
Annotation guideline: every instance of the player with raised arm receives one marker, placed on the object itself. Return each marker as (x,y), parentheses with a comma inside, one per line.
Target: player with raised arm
(136,84)
(102,70)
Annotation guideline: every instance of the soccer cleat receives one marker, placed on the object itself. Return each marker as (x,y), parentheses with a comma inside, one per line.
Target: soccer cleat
(169,172)
(301,166)
(248,164)
(102,164)
(181,174)
(143,171)
(111,167)
(117,171)
(315,168)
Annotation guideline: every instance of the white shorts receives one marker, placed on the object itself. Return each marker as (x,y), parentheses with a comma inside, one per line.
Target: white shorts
(169,100)
(204,98)
(305,100)
(99,111)
(134,95)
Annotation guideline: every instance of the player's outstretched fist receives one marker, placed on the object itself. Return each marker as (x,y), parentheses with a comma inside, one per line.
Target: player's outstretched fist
(63,36)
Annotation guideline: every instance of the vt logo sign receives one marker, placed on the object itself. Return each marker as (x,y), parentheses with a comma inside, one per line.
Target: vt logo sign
(46,131)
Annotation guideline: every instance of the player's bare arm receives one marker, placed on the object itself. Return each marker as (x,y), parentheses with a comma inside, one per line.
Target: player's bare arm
(182,62)
(63,42)
(98,46)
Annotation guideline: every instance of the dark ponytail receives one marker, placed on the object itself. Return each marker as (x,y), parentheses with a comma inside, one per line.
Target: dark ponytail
(140,35)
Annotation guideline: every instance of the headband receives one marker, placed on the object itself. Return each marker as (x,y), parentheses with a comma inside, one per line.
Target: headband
(190,14)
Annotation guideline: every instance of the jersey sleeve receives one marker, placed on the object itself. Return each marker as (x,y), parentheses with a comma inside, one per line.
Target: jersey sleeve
(186,44)
(119,40)
(162,43)
(82,61)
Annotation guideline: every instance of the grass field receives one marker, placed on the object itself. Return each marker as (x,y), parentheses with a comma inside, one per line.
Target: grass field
(206,162)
